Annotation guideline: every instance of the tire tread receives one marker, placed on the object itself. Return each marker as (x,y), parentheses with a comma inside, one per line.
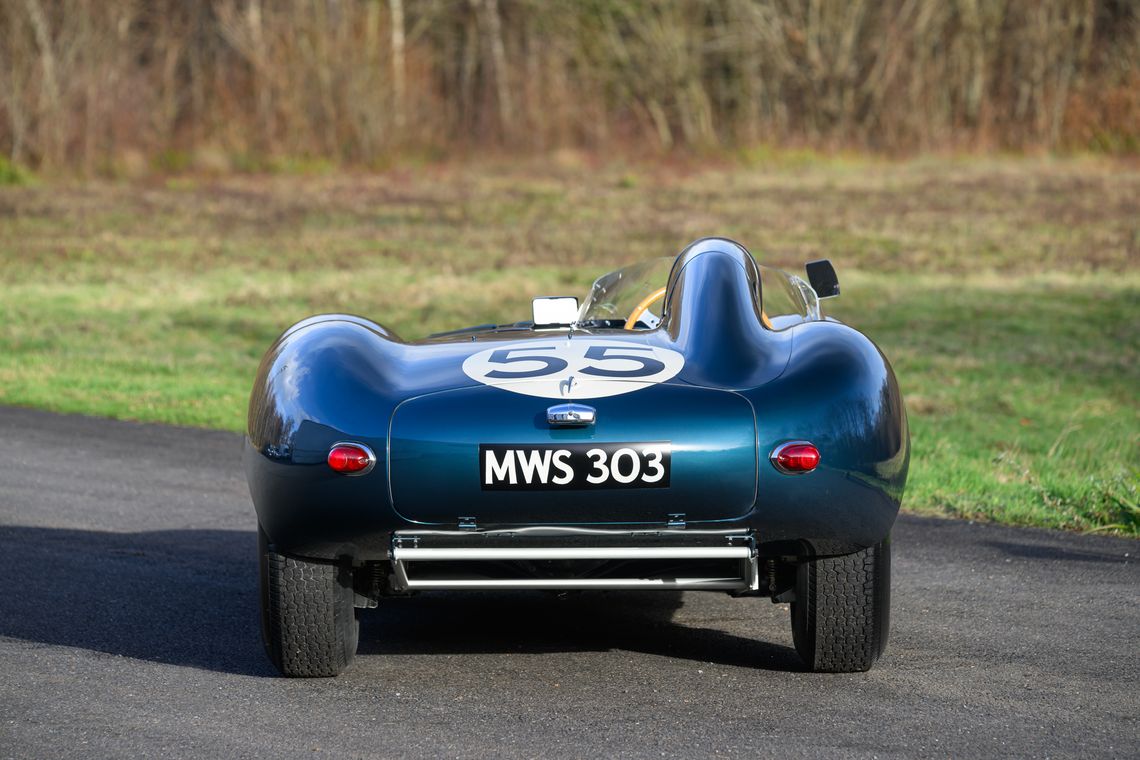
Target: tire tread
(310,628)
(840,624)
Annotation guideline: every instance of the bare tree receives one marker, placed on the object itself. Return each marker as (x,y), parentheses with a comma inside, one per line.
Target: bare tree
(399,68)
(84,83)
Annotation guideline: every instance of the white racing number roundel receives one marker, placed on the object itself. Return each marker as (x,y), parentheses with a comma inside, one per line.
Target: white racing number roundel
(578,368)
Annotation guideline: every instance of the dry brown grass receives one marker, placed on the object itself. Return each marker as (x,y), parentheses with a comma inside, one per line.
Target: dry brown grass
(1012,217)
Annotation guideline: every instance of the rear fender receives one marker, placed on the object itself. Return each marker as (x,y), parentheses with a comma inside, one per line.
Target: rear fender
(839,393)
(327,379)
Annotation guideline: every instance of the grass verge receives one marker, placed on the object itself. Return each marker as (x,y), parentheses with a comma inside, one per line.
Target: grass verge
(1006,293)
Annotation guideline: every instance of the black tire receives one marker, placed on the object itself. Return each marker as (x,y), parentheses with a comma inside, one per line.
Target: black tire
(308,622)
(841,615)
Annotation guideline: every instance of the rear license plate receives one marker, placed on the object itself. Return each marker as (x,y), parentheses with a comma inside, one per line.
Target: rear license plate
(573,466)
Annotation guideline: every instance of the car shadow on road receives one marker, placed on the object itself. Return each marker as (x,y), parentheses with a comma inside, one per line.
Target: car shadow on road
(189,597)
(538,623)
(182,597)
(1037,551)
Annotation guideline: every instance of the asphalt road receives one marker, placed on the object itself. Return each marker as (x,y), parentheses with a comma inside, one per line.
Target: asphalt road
(128,614)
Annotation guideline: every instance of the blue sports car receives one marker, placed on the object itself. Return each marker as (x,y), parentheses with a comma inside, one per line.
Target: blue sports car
(695,424)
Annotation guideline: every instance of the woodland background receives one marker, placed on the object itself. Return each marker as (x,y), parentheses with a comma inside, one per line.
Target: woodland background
(113,86)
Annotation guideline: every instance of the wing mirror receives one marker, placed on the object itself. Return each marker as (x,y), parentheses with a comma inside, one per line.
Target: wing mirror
(554,311)
(821,275)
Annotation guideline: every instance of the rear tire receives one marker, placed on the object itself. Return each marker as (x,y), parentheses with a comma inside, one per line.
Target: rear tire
(841,616)
(308,622)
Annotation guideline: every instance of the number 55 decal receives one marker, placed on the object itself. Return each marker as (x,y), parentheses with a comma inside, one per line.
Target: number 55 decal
(552,364)
(573,368)
(649,367)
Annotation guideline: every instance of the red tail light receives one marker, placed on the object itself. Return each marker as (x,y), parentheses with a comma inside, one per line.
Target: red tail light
(795,457)
(351,458)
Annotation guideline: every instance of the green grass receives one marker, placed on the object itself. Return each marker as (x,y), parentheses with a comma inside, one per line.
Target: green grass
(1005,292)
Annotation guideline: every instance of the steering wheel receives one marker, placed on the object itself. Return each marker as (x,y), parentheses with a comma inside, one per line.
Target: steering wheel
(646,302)
(642,307)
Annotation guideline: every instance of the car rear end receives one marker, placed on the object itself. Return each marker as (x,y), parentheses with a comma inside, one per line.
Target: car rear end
(705,454)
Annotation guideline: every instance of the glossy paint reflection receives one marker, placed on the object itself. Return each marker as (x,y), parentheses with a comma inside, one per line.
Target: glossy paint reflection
(743,390)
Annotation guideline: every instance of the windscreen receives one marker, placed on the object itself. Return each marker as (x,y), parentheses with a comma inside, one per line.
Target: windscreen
(787,299)
(614,296)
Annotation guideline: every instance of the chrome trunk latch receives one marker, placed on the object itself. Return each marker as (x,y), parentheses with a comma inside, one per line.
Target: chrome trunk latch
(571,415)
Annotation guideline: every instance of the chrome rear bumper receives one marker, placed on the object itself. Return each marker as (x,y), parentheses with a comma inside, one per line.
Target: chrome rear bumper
(574,559)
